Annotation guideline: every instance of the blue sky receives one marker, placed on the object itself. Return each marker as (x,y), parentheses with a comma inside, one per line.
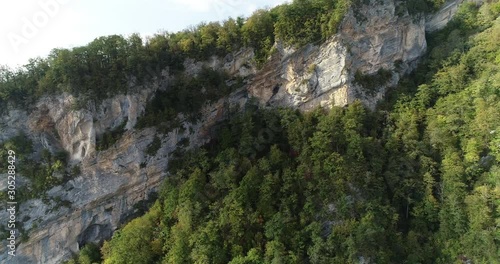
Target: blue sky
(31,28)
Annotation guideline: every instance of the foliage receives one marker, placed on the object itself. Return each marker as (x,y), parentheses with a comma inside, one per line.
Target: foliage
(265,193)
(154,146)
(414,182)
(185,95)
(109,138)
(43,173)
(89,254)
(418,7)
(115,64)
(370,82)
(309,21)
(20,144)
(258,32)
(137,234)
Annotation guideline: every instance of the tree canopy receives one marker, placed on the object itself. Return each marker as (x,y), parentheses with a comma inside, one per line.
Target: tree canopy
(107,65)
(415,181)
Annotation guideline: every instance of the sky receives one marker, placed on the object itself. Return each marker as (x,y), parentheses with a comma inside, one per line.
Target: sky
(32,28)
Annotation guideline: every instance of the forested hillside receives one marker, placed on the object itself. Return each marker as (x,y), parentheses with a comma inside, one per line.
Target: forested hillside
(415,181)
(116,61)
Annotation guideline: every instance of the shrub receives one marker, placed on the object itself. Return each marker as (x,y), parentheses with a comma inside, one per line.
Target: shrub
(109,138)
(373,81)
(154,146)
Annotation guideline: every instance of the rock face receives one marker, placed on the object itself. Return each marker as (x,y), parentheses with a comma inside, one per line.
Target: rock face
(371,37)
(77,130)
(302,78)
(440,19)
(112,181)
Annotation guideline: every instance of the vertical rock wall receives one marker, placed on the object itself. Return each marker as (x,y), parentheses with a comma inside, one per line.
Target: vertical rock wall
(371,38)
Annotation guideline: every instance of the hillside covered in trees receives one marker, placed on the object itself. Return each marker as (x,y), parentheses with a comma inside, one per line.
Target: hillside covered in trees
(115,61)
(415,181)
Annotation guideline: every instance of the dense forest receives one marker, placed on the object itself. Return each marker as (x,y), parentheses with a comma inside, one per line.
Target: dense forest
(118,63)
(416,181)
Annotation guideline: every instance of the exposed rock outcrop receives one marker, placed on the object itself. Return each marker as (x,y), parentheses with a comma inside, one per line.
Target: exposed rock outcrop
(112,181)
(371,37)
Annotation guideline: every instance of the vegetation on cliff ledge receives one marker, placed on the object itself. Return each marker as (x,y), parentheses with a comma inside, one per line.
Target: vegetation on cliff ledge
(416,181)
(115,61)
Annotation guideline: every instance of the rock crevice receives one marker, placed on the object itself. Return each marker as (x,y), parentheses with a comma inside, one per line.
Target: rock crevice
(112,181)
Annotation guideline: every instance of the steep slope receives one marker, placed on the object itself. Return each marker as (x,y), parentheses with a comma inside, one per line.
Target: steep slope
(111,182)
(416,181)
(373,40)
(372,37)
(377,42)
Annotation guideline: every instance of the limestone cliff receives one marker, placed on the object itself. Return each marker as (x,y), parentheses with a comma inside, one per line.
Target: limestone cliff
(111,182)
(372,37)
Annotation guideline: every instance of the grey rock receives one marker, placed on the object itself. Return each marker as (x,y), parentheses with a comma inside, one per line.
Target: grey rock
(112,181)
